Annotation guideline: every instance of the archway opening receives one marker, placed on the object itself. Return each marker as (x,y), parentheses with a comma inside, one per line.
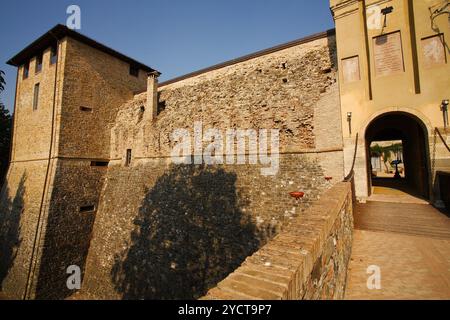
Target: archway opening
(397,153)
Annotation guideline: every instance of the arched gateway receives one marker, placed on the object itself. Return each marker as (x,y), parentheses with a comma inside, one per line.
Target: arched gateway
(400,140)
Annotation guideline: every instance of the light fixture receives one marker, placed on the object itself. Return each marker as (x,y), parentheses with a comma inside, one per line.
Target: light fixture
(349,120)
(385,12)
(444,109)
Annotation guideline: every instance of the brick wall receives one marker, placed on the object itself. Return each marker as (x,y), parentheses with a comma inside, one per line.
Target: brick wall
(307,260)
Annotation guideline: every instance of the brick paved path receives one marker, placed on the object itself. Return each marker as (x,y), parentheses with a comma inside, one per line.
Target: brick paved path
(411,245)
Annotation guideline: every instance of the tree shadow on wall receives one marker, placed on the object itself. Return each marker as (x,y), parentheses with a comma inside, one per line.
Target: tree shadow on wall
(10,214)
(190,233)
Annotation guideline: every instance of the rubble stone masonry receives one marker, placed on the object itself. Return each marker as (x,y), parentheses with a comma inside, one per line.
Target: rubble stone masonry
(167,231)
(150,228)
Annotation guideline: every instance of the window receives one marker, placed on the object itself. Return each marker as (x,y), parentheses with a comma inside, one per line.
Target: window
(38,63)
(90,208)
(26,70)
(161,106)
(128,158)
(86,109)
(134,71)
(36,96)
(53,55)
(99,163)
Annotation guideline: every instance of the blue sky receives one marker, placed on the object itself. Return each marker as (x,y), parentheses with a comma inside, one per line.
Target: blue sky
(172,36)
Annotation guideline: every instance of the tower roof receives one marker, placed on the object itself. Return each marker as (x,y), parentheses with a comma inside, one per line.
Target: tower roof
(59,32)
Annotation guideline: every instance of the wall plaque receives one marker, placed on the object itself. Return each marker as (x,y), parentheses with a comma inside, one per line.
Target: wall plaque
(388,54)
(350,69)
(433,51)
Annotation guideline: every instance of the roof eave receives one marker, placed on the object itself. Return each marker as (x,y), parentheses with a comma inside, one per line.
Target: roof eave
(59,32)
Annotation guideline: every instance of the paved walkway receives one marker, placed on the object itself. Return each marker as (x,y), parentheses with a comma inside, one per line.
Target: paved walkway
(410,243)
(395,191)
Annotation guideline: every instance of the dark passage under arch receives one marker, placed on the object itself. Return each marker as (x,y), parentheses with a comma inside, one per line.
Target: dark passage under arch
(407,128)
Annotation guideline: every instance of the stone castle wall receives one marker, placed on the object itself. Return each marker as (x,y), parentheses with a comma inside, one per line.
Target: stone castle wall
(22,193)
(159,230)
(173,231)
(55,186)
(95,80)
(19,208)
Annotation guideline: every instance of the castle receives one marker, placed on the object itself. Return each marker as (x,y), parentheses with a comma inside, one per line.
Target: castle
(91,182)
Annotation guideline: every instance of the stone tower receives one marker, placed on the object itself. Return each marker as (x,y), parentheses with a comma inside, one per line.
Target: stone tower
(69,88)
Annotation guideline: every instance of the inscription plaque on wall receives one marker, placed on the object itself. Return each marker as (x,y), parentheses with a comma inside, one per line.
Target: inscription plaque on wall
(388,54)
(350,69)
(433,51)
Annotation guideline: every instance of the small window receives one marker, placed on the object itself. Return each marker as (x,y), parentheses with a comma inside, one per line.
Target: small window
(128,158)
(53,55)
(26,70)
(36,96)
(85,209)
(161,106)
(134,71)
(38,63)
(85,109)
(99,163)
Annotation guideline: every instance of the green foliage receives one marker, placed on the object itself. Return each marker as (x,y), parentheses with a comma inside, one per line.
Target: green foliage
(5,129)
(5,132)
(386,152)
(2,81)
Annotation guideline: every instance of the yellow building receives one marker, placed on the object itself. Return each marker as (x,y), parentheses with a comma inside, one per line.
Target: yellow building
(395,85)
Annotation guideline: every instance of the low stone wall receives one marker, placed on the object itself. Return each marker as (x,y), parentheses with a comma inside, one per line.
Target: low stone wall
(307,260)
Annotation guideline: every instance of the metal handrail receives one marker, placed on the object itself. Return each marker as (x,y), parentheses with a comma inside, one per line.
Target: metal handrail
(351,174)
(442,138)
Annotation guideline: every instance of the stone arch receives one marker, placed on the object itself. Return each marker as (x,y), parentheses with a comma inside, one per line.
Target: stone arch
(383,119)
(413,112)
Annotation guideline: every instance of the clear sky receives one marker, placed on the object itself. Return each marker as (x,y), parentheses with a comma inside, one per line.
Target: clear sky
(173,36)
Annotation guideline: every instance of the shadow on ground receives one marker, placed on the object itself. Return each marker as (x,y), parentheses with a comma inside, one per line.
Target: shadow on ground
(189,234)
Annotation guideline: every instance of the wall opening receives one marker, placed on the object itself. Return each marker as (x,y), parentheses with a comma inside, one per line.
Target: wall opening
(36,96)
(85,109)
(386,159)
(86,209)
(134,71)
(99,163)
(26,70)
(403,139)
(39,59)
(53,55)
(128,158)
